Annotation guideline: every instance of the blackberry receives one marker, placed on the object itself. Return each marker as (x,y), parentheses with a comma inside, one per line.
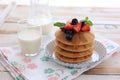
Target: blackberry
(68,36)
(62,29)
(83,23)
(74,21)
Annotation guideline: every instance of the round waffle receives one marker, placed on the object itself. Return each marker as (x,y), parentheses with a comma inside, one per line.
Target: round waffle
(73,54)
(80,38)
(74,48)
(72,60)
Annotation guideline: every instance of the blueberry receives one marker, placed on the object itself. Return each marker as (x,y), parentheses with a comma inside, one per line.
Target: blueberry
(74,21)
(83,23)
(68,31)
(68,36)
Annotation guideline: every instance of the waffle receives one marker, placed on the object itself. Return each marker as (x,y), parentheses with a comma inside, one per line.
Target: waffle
(72,60)
(76,50)
(73,54)
(80,38)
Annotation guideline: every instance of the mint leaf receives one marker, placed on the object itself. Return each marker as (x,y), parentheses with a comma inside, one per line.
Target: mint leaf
(90,22)
(59,24)
(86,18)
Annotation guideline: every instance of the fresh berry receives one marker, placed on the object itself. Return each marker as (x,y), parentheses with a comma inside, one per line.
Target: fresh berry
(77,27)
(68,36)
(83,23)
(86,27)
(74,21)
(68,31)
(62,29)
(68,26)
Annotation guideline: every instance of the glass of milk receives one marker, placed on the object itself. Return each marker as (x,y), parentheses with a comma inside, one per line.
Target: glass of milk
(29,37)
(40,15)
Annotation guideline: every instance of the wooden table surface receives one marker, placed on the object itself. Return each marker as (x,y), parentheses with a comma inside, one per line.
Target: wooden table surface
(106,23)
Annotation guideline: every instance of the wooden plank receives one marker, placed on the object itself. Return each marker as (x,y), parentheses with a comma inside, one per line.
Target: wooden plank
(9,28)
(109,66)
(98,77)
(98,15)
(5,76)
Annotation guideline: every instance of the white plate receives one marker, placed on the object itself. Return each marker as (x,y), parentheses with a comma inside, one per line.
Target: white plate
(98,55)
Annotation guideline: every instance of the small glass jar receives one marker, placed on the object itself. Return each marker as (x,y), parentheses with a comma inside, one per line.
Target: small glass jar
(41,16)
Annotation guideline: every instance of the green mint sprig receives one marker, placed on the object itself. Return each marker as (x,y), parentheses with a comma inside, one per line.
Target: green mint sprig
(59,24)
(88,21)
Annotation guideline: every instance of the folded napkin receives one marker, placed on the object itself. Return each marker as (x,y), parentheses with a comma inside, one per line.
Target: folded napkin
(42,67)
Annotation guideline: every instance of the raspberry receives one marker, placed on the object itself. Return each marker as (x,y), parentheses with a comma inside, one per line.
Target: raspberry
(68,26)
(86,27)
(77,27)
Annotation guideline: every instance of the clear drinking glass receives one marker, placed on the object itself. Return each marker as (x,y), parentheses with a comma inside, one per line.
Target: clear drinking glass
(29,37)
(41,16)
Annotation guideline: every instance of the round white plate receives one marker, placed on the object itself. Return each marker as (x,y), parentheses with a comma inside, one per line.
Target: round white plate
(98,54)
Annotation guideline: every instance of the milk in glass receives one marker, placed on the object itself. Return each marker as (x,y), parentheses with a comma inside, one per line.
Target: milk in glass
(30,41)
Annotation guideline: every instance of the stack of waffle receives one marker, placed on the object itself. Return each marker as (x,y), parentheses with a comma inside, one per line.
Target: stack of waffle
(79,49)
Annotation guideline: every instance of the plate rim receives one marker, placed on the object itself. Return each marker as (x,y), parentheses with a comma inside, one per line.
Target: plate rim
(95,41)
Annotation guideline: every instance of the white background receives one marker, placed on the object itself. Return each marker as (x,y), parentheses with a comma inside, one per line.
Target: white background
(74,3)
